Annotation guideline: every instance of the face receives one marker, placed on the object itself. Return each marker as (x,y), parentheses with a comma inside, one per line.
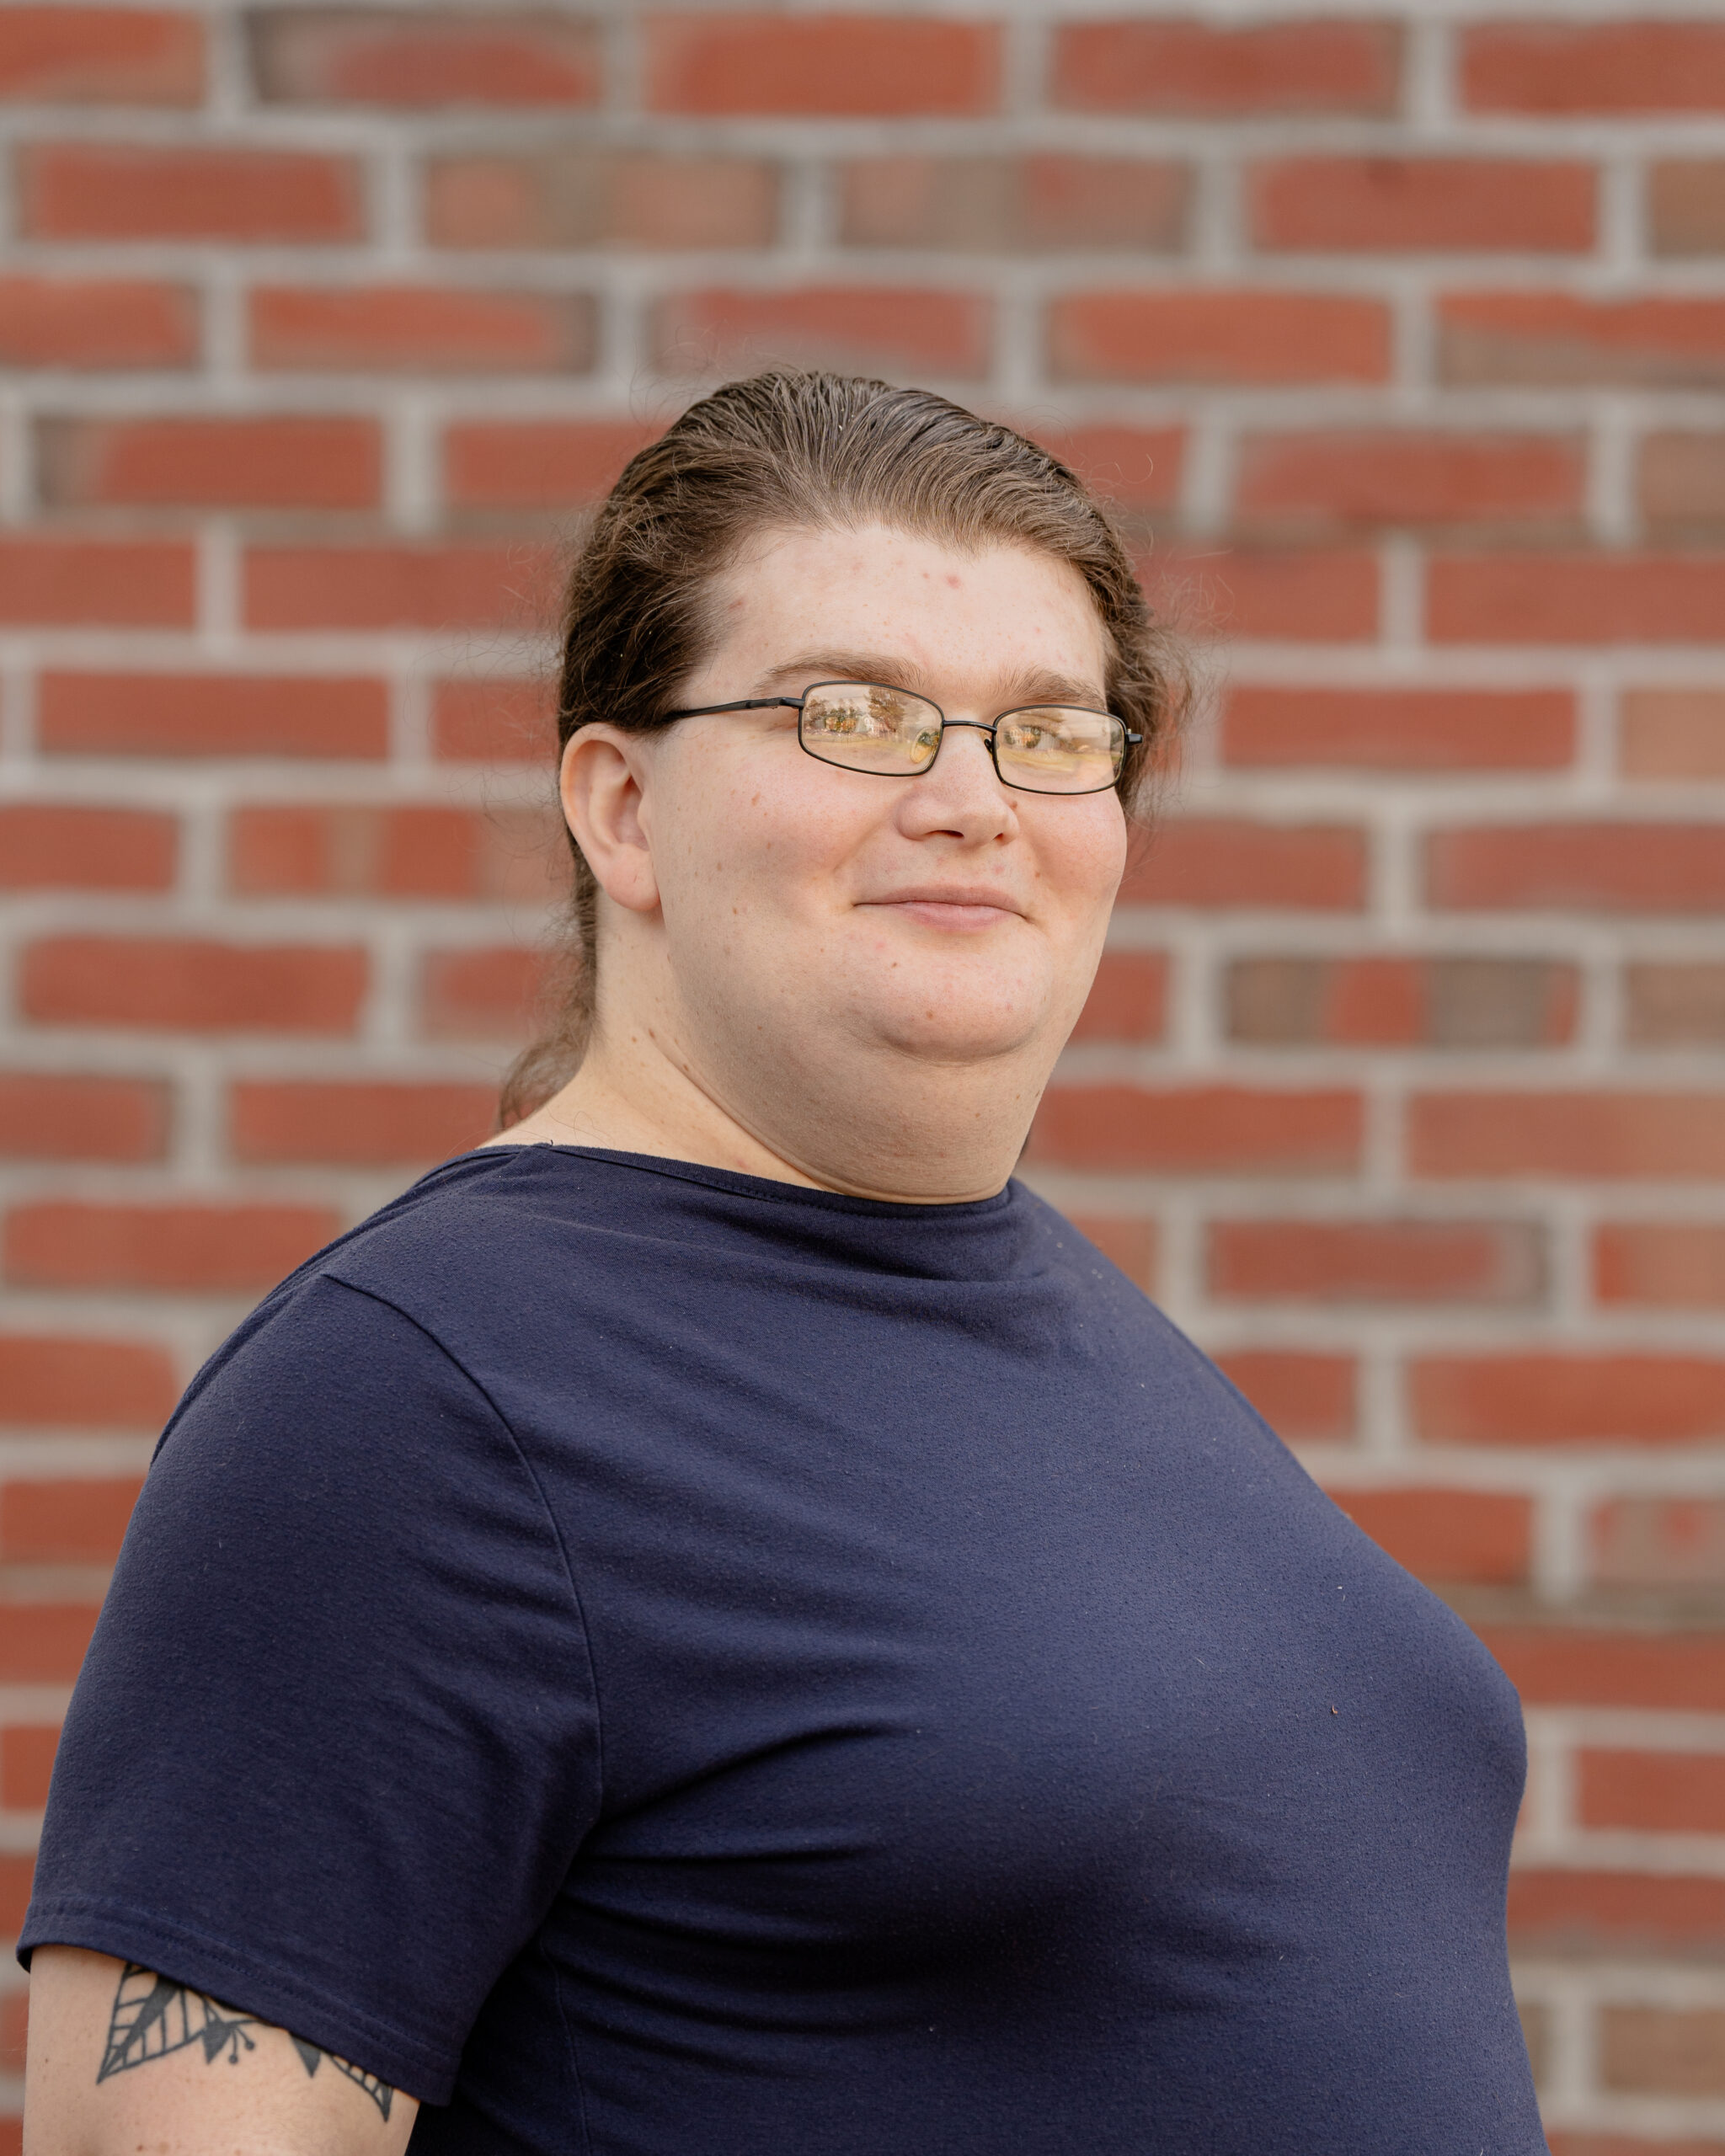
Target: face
(812,915)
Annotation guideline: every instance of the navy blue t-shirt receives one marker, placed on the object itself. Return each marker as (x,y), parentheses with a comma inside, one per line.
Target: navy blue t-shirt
(656,1663)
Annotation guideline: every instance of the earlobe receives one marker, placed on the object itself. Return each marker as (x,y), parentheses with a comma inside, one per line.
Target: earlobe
(602,784)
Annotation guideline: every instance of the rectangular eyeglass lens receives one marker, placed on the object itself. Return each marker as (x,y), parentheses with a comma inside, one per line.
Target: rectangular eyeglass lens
(869,727)
(1061,750)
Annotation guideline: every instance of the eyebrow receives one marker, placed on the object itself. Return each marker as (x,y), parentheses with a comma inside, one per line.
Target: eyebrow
(1036,684)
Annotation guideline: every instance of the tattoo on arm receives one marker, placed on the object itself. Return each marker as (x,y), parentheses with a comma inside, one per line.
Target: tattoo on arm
(153,2016)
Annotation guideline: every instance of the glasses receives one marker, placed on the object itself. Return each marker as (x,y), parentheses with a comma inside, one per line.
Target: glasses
(864,726)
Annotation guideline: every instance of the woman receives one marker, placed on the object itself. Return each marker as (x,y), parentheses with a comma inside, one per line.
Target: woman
(717,1624)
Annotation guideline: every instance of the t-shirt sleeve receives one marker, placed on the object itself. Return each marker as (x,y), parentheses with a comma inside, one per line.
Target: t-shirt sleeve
(335,1742)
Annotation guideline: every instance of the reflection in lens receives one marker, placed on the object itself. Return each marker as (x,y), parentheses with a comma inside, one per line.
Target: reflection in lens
(1056,749)
(867,726)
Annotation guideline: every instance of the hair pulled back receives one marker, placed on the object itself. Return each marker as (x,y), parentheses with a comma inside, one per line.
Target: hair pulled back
(820,451)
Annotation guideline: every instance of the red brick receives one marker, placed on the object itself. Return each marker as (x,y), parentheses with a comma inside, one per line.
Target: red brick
(1130,1244)
(1307,1399)
(217,1249)
(1679,1264)
(1560,338)
(1320,482)
(1139,467)
(50,845)
(279,462)
(427,587)
(1590,598)
(84,1383)
(419,329)
(77,1521)
(1401,1002)
(1673,734)
(417,852)
(1530,1399)
(14,2032)
(1218,336)
(385,56)
(100,190)
(1180,67)
(1635,65)
(1610,868)
(1592,1136)
(101,55)
(1126,1002)
(1680,485)
(838,66)
(1455,1537)
(364,1123)
(1399,729)
(198,986)
(1292,597)
(144,583)
(27,1753)
(1662,2051)
(1686,206)
(1387,205)
(493,995)
(40,1643)
(96,323)
(334,715)
(1377,1261)
(1679,1004)
(600,198)
(1013,204)
(1227,861)
(1565,1666)
(494,722)
(870,329)
(1657,1792)
(16,1873)
(1666,1544)
(1199,1130)
(1621,1914)
(69,1116)
(511,464)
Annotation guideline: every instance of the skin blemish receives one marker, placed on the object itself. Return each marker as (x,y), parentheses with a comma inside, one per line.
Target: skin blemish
(955,581)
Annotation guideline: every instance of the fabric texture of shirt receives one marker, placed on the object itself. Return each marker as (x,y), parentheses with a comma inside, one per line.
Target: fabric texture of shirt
(656,1663)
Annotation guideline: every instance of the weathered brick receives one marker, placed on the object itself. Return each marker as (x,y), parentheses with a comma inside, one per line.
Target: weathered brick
(90,323)
(198,986)
(1662,2051)
(1673,734)
(1678,1263)
(50,845)
(1323,481)
(1656,1792)
(600,198)
(1628,1915)
(1399,729)
(403,853)
(428,587)
(1127,998)
(1394,204)
(355,1124)
(1583,599)
(1181,67)
(833,65)
(334,716)
(1570,1665)
(72,1116)
(79,1382)
(419,329)
(1680,484)
(1221,336)
(99,190)
(196,1248)
(1011,205)
(83,583)
(494,722)
(1596,1136)
(1226,860)
(1598,868)
(1686,206)
(867,328)
(1667,1543)
(422,57)
(547,464)
(1398,1002)
(1453,1537)
(1294,596)
(1555,338)
(75,1521)
(1385,1260)
(1632,65)
(1307,1399)
(27,1753)
(284,461)
(1675,1004)
(489,994)
(101,55)
(1200,1129)
(1567,1399)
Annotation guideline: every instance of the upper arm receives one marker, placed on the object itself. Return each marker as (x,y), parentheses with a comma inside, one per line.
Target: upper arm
(121,2058)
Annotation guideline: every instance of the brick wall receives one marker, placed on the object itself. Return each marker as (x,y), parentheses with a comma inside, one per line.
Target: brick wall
(1405,335)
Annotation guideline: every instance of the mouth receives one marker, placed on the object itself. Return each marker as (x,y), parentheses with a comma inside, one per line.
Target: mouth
(953,907)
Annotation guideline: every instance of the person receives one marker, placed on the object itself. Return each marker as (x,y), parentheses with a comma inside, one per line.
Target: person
(718,1623)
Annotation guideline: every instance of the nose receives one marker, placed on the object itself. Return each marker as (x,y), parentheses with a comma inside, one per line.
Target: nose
(960,792)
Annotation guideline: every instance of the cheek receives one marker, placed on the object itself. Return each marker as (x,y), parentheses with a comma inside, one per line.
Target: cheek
(758,838)
(1081,854)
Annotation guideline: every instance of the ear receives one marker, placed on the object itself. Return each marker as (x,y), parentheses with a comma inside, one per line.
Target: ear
(602,783)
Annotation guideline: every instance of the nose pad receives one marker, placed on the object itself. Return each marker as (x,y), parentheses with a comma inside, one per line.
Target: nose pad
(967,726)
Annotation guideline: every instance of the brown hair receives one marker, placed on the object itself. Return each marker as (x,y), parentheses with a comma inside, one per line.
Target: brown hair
(817,450)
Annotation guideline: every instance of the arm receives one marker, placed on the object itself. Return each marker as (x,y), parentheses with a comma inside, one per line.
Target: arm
(122,2059)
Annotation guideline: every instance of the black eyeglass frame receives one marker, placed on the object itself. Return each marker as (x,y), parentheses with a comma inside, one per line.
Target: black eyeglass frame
(973,725)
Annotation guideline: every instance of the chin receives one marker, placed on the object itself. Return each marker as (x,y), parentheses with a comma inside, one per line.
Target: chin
(943,1028)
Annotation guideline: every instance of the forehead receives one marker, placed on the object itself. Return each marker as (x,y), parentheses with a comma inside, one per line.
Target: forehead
(963,620)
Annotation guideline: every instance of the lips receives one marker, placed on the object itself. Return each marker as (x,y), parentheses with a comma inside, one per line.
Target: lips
(966,897)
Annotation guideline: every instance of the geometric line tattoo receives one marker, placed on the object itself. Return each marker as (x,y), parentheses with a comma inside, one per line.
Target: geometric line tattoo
(153,2016)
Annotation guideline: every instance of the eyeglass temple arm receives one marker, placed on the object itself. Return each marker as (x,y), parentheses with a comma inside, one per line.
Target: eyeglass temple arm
(747,703)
